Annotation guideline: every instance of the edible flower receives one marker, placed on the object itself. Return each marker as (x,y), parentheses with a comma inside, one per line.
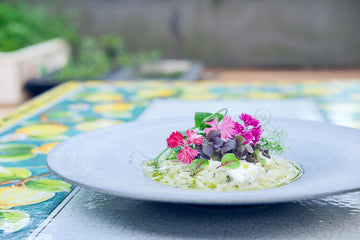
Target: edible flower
(176,139)
(226,127)
(186,154)
(193,137)
(251,130)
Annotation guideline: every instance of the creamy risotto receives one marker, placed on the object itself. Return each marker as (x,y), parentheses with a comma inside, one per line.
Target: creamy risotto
(249,176)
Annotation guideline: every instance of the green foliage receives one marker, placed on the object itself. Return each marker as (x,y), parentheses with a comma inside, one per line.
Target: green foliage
(258,157)
(274,140)
(217,115)
(159,75)
(199,119)
(197,164)
(202,117)
(230,161)
(94,57)
(22,24)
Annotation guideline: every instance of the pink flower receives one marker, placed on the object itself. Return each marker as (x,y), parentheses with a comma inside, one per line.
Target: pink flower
(193,137)
(186,155)
(176,139)
(251,130)
(226,127)
(249,120)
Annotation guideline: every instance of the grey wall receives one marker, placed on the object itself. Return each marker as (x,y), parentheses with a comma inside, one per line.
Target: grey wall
(232,33)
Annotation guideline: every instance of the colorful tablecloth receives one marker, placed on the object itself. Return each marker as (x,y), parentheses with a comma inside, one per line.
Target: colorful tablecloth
(29,193)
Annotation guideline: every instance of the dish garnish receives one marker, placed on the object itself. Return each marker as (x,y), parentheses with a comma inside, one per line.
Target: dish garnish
(223,154)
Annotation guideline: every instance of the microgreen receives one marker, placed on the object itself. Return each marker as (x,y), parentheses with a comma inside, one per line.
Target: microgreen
(177,149)
(274,140)
(264,116)
(258,157)
(156,160)
(262,161)
(228,178)
(197,164)
(229,161)
(137,152)
(219,116)
(199,119)
(202,117)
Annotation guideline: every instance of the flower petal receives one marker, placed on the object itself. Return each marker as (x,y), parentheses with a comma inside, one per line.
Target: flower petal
(193,137)
(249,120)
(227,127)
(186,155)
(256,133)
(214,125)
(176,139)
(238,128)
(251,130)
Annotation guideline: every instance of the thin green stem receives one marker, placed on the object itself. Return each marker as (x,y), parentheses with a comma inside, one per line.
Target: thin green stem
(212,115)
(156,160)
(140,153)
(171,152)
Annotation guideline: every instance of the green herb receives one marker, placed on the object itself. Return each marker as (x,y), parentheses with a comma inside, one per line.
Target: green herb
(273,139)
(258,157)
(197,164)
(199,119)
(228,178)
(262,161)
(229,161)
(156,160)
(219,116)
(274,143)
(202,117)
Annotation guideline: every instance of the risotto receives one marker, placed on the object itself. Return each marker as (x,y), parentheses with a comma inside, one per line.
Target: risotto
(249,176)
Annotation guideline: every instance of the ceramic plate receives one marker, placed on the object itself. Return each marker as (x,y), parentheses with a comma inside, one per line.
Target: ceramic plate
(100,160)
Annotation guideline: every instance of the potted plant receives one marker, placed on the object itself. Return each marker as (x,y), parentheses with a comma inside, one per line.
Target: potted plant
(29,44)
(92,58)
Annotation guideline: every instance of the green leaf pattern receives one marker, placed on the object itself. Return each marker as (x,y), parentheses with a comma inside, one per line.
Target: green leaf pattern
(12,220)
(9,174)
(49,185)
(16,152)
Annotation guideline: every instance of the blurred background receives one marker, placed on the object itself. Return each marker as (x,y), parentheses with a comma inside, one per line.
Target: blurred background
(44,43)
(231,33)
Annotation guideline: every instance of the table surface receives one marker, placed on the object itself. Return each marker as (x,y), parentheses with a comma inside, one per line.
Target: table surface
(249,75)
(37,205)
